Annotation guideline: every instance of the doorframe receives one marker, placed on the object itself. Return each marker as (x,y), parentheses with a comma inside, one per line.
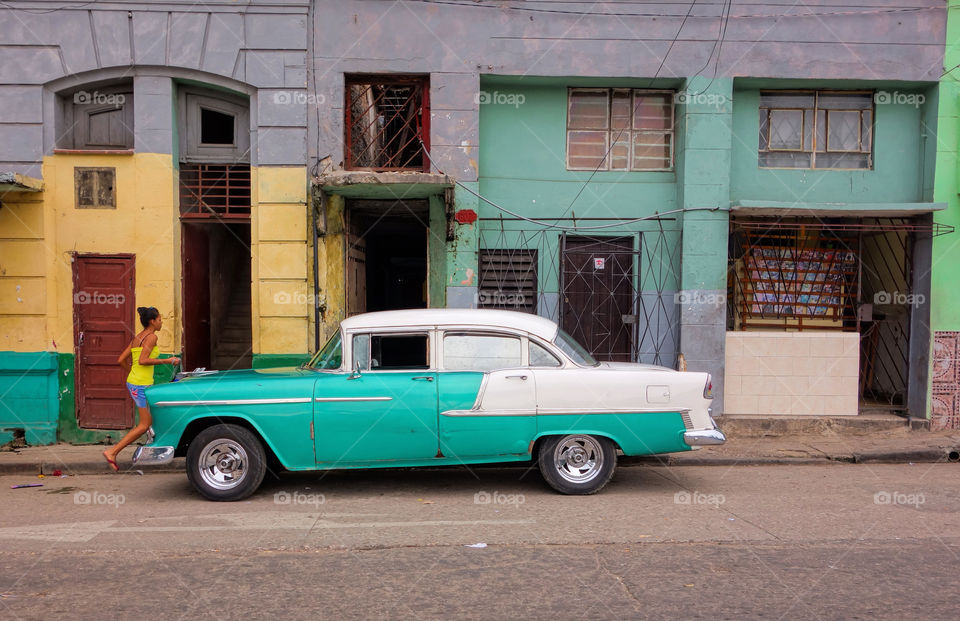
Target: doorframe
(130,325)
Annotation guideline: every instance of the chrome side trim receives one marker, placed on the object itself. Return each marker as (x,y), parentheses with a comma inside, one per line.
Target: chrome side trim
(557,412)
(233,402)
(153,454)
(704,437)
(337,399)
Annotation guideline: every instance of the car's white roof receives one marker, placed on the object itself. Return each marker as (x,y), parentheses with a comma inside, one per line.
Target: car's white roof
(439,317)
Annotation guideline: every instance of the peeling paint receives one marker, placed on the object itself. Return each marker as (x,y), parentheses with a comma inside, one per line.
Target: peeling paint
(469,279)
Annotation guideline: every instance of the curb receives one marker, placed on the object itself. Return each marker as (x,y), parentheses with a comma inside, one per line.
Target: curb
(85,467)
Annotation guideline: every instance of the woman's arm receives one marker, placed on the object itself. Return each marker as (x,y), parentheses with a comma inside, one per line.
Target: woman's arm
(126,354)
(148,344)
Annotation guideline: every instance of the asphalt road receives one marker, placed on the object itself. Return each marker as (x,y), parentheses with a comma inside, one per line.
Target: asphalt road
(781,542)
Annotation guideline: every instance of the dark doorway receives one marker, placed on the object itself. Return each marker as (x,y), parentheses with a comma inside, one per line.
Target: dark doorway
(597,301)
(386,256)
(216,295)
(103,312)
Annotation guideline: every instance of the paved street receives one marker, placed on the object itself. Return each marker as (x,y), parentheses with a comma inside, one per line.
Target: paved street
(839,541)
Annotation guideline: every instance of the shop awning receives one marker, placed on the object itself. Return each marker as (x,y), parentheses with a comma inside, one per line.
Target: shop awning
(835,210)
(15,182)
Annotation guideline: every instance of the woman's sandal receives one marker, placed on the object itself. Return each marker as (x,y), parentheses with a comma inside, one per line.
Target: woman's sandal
(113,464)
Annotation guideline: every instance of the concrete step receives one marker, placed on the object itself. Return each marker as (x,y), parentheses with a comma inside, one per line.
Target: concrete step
(757,426)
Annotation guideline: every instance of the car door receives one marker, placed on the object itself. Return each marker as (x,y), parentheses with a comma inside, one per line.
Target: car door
(386,409)
(486,370)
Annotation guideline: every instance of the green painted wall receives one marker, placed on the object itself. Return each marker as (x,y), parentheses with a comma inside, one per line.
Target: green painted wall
(945,294)
(272,361)
(522,164)
(901,158)
(28,396)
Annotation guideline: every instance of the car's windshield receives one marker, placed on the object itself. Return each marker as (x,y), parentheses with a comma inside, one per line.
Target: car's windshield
(574,349)
(330,356)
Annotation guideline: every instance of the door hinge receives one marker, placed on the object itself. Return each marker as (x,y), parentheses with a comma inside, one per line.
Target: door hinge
(311,430)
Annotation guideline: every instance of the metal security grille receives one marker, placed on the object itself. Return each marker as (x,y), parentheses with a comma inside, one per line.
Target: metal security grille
(614,288)
(387,118)
(508,280)
(215,191)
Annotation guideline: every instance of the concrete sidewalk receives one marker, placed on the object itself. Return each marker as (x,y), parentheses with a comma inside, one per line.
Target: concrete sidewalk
(899,445)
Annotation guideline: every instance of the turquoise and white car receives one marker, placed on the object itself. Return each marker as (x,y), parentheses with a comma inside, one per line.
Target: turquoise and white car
(427,388)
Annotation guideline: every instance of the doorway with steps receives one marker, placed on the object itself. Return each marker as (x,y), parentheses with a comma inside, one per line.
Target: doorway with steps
(216,295)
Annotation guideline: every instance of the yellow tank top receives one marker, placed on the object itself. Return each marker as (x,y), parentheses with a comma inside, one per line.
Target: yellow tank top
(141,374)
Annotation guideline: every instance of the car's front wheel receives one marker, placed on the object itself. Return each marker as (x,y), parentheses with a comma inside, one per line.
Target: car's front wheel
(577,464)
(226,462)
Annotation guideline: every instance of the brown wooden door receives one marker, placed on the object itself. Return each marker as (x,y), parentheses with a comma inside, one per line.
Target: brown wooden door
(196,296)
(597,305)
(103,312)
(356,276)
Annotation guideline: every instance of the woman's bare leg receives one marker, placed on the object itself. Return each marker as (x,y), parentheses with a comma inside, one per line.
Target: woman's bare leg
(145,421)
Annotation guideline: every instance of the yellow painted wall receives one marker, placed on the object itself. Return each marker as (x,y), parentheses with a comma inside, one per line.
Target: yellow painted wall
(23,294)
(333,266)
(40,232)
(282,259)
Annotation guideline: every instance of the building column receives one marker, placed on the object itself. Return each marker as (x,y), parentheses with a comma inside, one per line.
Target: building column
(704,183)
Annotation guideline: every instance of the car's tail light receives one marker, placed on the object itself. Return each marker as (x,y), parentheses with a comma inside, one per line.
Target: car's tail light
(708,388)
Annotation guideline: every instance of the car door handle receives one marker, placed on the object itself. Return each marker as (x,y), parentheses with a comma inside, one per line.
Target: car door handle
(521,377)
(428,378)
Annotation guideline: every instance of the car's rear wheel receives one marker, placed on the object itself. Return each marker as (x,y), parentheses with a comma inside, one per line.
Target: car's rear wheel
(577,464)
(226,462)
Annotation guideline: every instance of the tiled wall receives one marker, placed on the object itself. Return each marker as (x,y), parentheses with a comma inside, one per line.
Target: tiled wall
(792,373)
(945,406)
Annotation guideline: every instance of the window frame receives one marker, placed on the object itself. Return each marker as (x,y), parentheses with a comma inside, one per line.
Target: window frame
(431,348)
(814,112)
(191,102)
(487,333)
(74,136)
(630,131)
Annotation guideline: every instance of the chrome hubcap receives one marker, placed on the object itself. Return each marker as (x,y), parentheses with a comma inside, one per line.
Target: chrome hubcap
(578,458)
(223,464)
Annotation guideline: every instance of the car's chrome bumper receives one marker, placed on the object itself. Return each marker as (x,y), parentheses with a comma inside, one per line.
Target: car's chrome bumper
(705,437)
(153,454)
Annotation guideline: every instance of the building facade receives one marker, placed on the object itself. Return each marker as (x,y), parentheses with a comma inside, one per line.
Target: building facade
(744,190)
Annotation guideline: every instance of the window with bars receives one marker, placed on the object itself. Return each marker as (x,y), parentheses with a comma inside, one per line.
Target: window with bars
(619,129)
(816,129)
(219,191)
(508,280)
(387,118)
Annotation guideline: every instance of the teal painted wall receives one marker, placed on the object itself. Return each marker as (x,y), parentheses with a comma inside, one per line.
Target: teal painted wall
(945,294)
(902,164)
(28,396)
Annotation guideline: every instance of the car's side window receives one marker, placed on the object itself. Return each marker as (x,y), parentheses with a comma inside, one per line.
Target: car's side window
(391,352)
(481,352)
(540,357)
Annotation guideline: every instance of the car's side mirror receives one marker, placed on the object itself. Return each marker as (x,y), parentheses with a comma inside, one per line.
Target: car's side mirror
(356,371)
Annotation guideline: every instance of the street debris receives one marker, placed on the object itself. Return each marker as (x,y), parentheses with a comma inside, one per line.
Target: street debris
(476,545)
(26,485)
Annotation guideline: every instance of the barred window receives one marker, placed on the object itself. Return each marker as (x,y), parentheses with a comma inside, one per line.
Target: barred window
(619,129)
(508,280)
(816,129)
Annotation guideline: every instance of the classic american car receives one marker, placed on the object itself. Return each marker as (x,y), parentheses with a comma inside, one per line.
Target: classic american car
(426,388)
